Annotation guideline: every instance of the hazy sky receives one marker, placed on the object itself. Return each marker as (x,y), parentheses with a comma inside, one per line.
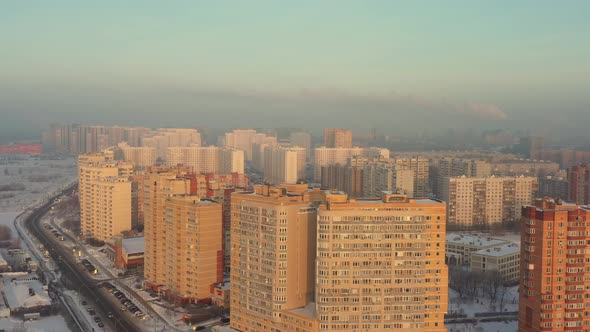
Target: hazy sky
(497,61)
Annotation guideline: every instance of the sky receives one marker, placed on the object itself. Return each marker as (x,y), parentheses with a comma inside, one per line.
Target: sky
(402,65)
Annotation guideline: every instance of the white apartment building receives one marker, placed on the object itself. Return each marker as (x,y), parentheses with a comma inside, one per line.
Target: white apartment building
(210,159)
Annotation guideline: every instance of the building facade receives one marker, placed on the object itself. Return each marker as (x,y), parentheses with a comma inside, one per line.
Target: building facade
(337,138)
(380,264)
(105,196)
(481,202)
(272,256)
(210,159)
(579,184)
(554,277)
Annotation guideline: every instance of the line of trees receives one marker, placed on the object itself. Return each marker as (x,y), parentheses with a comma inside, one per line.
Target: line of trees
(472,285)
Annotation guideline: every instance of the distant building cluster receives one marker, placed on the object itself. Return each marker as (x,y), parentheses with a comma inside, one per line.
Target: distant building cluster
(292,235)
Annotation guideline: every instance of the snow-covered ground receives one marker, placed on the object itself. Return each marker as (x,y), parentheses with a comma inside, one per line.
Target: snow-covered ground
(45,324)
(35,179)
(470,308)
(482,305)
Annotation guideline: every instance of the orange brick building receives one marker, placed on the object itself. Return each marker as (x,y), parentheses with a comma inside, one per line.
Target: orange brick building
(554,281)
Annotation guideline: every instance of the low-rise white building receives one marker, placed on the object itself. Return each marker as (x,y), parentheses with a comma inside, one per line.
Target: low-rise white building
(460,247)
(505,259)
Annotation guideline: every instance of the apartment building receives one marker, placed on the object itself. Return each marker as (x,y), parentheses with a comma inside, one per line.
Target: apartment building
(284,164)
(158,187)
(140,157)
(481,202)
(258,150)
(348,179)
(191,252)
(554,277)
(210,159)
(383,175)
(555,186)
(337,138)
(420,167)
(331,156)
(380,264)
(164,138)
(242,139)
(504,259)
(579,184)
(454,167)
(105,196)
(273,240)
(301,139)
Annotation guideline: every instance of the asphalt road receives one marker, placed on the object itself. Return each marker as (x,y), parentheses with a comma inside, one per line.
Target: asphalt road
(78,278)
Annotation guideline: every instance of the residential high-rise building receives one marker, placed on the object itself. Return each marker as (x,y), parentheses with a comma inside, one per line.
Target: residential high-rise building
(273,239)
(554,186)
(301,139)
(140,157)
(346,178)
(164,138)
(105,196)
(579,184)
(190,257)
(381,264)
(331,156)
(420,166)
(210,159)
(532,146)
(158,187)
(242,139)
(384,175)
(337,138)
(284,164)
(453,167)
(481,202)
(258,150)
(553,273)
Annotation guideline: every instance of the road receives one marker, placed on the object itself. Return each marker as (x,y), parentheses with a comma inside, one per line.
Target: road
(76,277)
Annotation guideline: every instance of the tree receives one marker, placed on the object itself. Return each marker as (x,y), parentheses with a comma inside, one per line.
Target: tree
(492,282)
(5,233)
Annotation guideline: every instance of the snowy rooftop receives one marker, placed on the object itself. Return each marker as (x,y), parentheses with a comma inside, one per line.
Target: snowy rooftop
(476,240)
(504,250)
(16,288)
(133,245)
(308,310)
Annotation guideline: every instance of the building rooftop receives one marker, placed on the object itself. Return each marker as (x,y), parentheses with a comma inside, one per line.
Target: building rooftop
(133,245)
(307,311)
(23,290)
(504,250)
(476,240)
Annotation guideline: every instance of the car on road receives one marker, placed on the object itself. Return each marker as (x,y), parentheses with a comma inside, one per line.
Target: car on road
(123,308)
(100,324)
(97,319)
(84,303)
(110,315)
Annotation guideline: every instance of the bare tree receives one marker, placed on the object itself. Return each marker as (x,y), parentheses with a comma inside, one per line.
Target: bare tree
(5,233)
(493,281)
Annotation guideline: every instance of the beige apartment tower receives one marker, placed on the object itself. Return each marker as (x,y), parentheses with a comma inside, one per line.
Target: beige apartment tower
(273,238)
(105,196)
(183,236)
(381,264)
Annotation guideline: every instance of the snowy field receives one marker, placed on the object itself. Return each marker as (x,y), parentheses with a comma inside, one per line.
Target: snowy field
(470,308)
(45,324)
(25,180)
